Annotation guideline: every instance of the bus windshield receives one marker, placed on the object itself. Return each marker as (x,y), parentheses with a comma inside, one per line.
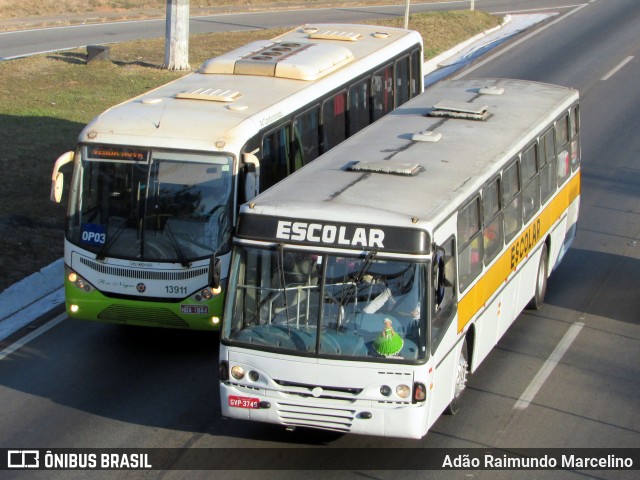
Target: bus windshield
(329,305)
(151,205)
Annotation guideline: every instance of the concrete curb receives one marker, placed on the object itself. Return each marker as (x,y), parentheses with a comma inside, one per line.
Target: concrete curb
(25,301)
(433,63)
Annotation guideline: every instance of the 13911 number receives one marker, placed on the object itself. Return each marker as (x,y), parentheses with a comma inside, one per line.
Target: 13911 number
(175,289)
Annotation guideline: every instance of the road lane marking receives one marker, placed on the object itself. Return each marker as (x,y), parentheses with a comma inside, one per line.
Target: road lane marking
(518,42)
(33,335)
(527,397)
(614,70)
(541,9)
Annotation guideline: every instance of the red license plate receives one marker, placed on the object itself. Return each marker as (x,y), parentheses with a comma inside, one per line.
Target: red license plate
(243,402)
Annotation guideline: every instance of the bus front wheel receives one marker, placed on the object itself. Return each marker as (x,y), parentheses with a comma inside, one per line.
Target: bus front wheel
(541,281)
(460,380)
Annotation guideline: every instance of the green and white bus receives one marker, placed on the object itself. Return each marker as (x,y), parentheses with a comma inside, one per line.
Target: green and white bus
(158,179)
(366,287)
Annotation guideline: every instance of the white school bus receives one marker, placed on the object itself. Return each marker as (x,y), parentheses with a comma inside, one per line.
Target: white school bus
(367,286)
(157,179)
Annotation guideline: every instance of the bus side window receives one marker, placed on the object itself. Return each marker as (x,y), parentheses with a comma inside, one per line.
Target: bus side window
(443,303)
(382,92)
(575,140)
(402,81)
(562,149)
(470,244)
(511,201)
(547,165)
(306,137)
(274,165)
(530,180)
(492,221)
(334,121)
(359,109)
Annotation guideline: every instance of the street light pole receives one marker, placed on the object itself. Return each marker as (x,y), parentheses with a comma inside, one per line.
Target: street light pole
(406,14)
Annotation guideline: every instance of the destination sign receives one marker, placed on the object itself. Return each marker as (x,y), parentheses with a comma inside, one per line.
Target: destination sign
(333,234)
(116,153)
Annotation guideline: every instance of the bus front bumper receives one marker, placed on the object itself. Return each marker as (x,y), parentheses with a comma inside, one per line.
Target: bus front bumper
(404,420)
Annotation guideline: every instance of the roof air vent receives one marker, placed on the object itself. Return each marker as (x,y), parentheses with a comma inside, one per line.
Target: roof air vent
(210,94)
(426,136)
(385,166)
(466,110)
(297,61)
(491,90)
(335,35)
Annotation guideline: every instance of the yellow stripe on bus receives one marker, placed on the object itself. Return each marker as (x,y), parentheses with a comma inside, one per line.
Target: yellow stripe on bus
(491,280)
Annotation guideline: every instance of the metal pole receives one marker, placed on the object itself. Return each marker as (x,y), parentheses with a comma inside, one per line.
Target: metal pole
(472,5)
(406,14)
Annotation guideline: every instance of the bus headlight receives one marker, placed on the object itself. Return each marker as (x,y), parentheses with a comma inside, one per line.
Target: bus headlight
(403,391)
(78,281)
(237,372)
(385,390)
(206,294)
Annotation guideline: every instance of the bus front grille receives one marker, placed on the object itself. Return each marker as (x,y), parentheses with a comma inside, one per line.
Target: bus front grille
(145,274)
(326,418)
(146,315)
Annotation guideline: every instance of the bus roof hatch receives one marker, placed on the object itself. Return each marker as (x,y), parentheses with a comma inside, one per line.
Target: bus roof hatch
(385,166)
(294,60)
(210,94)
(453,109)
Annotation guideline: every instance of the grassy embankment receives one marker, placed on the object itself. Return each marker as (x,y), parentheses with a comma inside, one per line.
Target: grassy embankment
(47,100)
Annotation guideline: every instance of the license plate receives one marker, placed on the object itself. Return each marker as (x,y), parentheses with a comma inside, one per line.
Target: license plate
(243,402)
(197,309)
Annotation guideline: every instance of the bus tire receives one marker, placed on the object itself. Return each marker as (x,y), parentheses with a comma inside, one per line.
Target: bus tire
(460,381)
(541,281)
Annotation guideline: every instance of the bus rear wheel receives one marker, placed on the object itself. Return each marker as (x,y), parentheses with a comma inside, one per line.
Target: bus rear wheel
(541,282)
(460,381)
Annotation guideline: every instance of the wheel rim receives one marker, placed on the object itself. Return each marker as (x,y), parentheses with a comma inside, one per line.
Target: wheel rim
(461,375)
(541,281)
(542,274)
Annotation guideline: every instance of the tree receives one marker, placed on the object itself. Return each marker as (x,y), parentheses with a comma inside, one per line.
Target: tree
(176,43)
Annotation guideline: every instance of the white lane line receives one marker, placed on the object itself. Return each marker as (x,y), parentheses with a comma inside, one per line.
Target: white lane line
(527,397)
(614,70)
(541,9)
(33,335)
(518,42)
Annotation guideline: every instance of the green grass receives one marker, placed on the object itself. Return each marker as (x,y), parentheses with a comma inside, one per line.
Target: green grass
(47,100)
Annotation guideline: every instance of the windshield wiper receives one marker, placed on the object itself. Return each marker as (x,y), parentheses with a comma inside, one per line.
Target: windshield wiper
(176,247)
(280,257)
(357,278)
(105,248)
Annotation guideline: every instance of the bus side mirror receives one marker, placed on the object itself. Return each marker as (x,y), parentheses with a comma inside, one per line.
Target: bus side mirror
(214,273)
(439,275)
(57,178)
(252,175)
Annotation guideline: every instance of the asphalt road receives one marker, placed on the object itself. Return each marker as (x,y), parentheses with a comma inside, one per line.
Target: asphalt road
(27,42)
(563,377)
